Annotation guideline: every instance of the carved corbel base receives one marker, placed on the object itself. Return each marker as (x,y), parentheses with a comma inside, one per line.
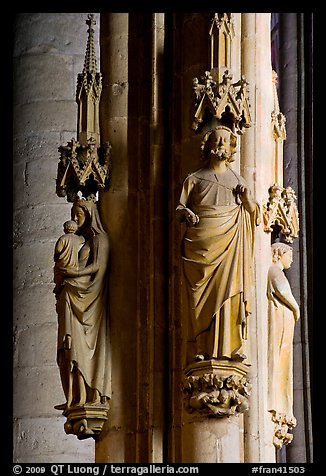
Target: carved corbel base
(85,421)
(216,388)
(283,424)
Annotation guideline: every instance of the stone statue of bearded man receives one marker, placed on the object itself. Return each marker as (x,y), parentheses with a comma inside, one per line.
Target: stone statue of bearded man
(217,251)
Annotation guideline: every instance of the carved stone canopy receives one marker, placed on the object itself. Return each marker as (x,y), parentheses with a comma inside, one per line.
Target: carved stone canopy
(280,213)
(218,100)
(83,168)
(225,102)
(84,164)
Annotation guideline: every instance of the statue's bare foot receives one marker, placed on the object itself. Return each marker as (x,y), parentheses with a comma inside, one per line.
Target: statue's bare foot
(238,356)
(201,357)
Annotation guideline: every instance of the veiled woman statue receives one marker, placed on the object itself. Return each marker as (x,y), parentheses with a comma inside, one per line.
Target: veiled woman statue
(82,348)
(283,312)
(217,253)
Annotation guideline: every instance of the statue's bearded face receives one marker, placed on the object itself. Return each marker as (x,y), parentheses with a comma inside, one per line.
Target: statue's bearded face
(219,143)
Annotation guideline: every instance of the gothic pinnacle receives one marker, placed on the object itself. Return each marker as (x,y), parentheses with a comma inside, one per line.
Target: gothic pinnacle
(90,57)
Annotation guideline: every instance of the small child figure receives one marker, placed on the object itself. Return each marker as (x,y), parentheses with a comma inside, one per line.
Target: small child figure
(66,252)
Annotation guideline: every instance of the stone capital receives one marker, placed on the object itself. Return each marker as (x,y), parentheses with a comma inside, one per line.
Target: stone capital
(216,388)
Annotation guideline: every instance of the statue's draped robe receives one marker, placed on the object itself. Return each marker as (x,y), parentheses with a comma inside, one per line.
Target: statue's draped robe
(82,314)
(217,260)
(280,345)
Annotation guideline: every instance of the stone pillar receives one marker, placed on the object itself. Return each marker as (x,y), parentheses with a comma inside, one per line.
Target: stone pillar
(257,166)
(295,98)
(188,57)
(255,161)
(217,441)
(202,430)
(212,432)
(48,53)
(133,213)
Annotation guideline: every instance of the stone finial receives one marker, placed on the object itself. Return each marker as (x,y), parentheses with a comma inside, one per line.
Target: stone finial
(221,33)
(217,99)
(88,93)
(84,163)
(90,57)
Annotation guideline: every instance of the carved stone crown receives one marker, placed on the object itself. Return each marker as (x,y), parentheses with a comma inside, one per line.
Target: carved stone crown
(81,200)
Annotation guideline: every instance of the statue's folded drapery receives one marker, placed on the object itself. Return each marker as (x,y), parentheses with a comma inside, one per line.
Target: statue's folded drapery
(281,323)
(82,315)
(217,258)
(281,330)
(83,348)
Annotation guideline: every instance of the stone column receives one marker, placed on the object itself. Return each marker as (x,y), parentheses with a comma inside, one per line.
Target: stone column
(250,57)
(296,100)
(212,432)
(257,166)
(203,428)
(188,57)
(48,53)
(133,212)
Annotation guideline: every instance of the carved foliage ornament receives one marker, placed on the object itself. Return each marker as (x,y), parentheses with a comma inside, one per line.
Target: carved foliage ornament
(282,427)
(216,395)
(281,212)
